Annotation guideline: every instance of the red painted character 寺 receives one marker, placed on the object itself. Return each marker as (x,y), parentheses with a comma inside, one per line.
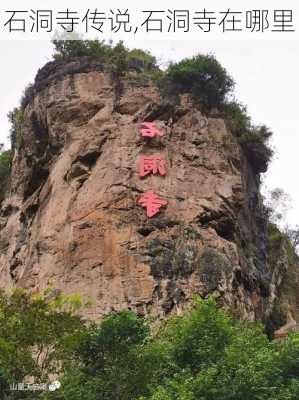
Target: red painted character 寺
(152,203)
(151,164)
(148,129)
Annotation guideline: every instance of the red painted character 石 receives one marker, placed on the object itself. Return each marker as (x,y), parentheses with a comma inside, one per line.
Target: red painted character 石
(148,129)
(152,203)
(151,164)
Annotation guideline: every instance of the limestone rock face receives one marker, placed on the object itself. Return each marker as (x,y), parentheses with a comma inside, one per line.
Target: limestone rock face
(72,219)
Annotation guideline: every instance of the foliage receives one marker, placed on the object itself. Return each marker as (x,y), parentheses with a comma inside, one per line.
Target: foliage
(281,237)
(15,118)
(281,249)
(71,44)
(5,166)
(202,76)
(140,59)
(116,58)
(109,361)
(203,354)
(27,95)
(249,368)
(277,205)
(198,338)
(238,117)
(254,139)
(277,317)
(293,235)
(257,148)
(36,340)
(278,238)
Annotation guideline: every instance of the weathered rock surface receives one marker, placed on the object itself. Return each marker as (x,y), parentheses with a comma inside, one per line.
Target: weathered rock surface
(72,220)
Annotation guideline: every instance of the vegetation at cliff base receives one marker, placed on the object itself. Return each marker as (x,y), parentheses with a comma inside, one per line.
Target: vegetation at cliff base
(37,338)
(202,354)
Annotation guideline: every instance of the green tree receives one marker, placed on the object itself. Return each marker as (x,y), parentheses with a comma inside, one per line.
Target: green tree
(249,367)
(198,338)
(202,354)
(15,117)
(36,339)
(203,77)
(5,167)
(109,361)
(116,58)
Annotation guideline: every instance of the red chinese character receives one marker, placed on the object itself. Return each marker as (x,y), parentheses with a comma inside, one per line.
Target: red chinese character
(148,129)
(152,203)
(154,163)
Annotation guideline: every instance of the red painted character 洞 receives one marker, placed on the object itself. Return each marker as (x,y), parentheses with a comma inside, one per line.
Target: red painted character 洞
(148,129)
(151,164)
(152,203)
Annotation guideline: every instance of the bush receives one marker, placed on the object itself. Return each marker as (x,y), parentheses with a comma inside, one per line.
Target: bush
(141,60)
(37,339)
(278,239)
(198,339)
(281,250)
(27,95)
(15,118)
(253,139)
(110,361)
(5,167)
(237,116)
(277,318)
(203,77)
(70,45)
(116,58)
(255,145)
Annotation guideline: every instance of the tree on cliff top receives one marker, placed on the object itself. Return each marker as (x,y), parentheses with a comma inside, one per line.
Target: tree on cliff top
(203,77)
(115,57)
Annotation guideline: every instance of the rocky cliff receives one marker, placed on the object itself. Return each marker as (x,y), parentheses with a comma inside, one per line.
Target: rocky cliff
(72,219)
